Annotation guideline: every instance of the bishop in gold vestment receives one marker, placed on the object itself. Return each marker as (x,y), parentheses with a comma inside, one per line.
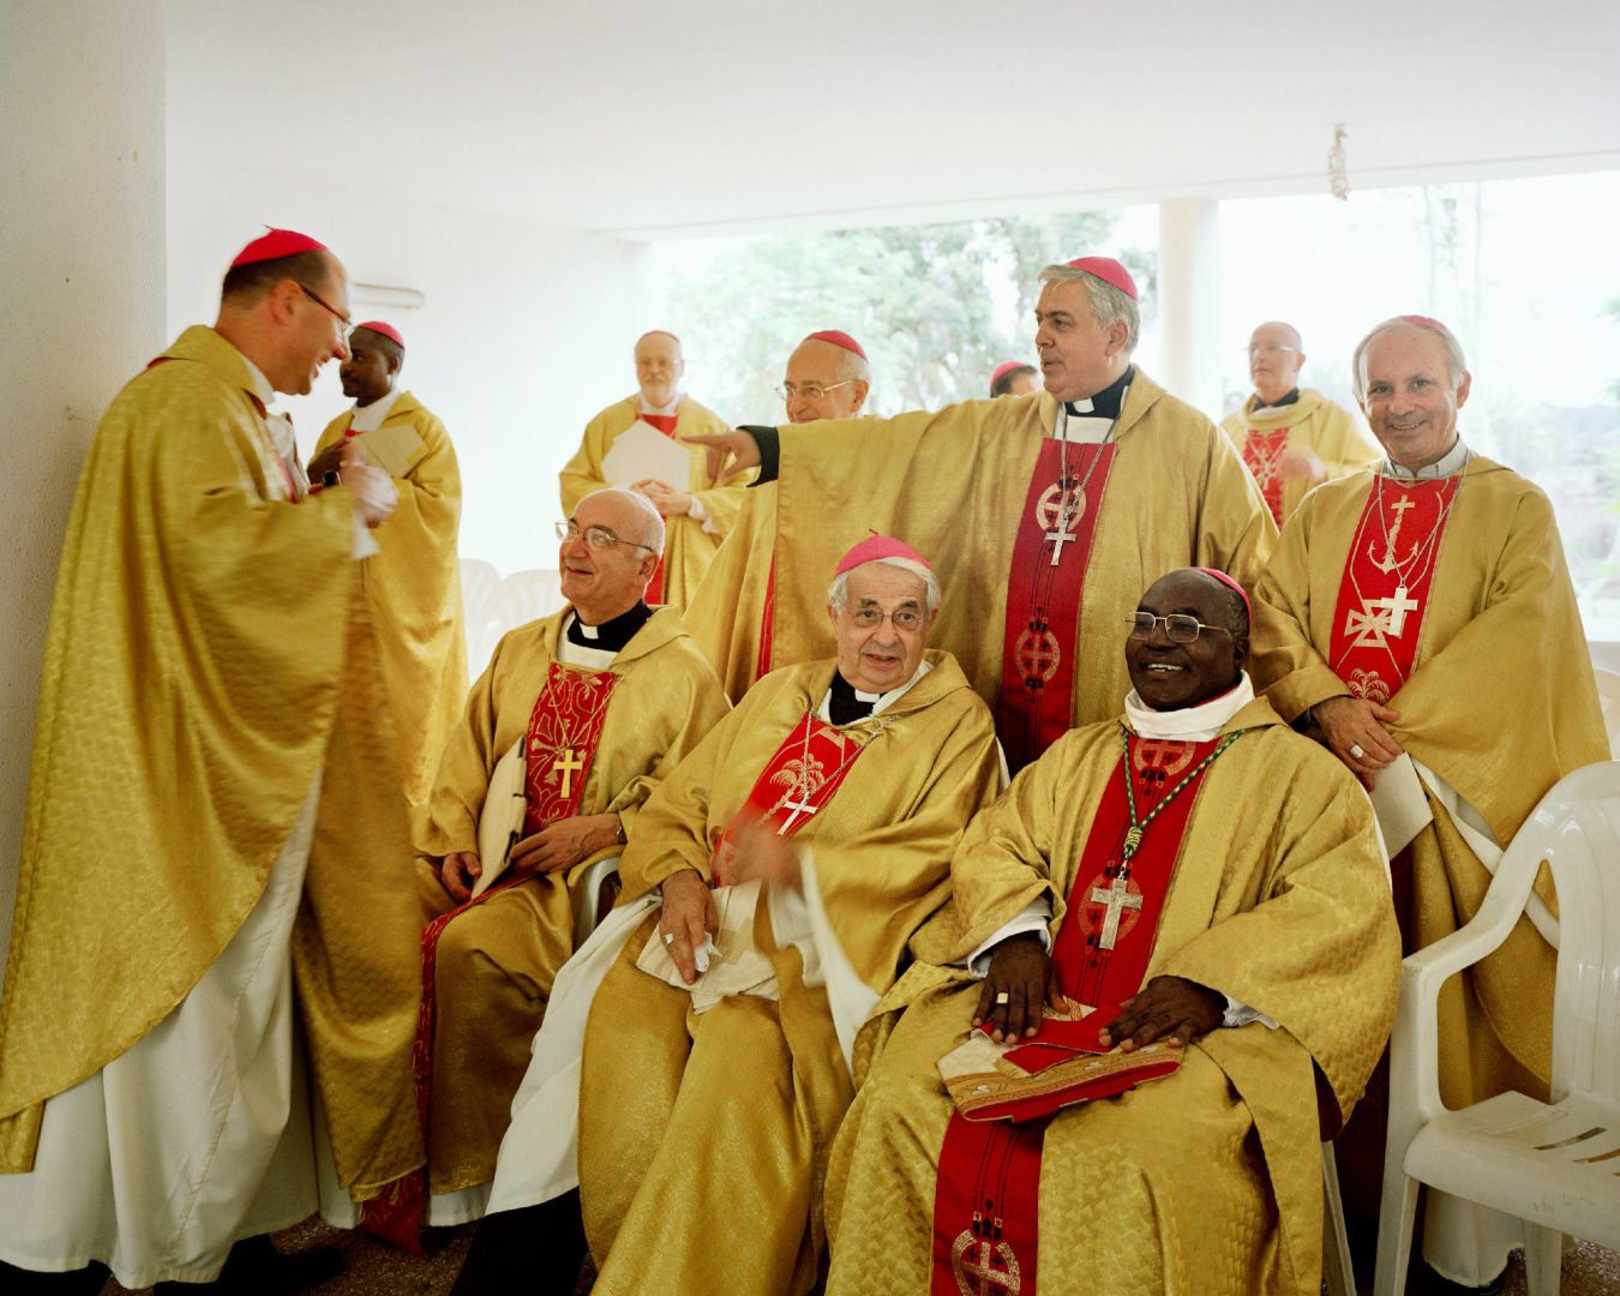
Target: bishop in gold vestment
(1402,606)
(1270,909)
(190,696)
(697,511)
(1051,512)
(496,962)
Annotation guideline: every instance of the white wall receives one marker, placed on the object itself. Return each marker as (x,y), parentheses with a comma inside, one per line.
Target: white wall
(527,330)
(81,307)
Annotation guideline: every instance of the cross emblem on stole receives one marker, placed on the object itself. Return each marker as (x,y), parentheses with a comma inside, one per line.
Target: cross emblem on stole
(567,764)
(796,808)
(1115,899)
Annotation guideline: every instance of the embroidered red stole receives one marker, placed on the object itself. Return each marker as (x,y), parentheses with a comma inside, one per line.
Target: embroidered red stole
(565,729)
(1263,452)
(1035,705)
(987,1195)
(799,781)
(1384,592)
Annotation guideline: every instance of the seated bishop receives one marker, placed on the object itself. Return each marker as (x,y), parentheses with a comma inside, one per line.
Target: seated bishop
(770,891)
(1183,910)
(574,723)
(1401,604)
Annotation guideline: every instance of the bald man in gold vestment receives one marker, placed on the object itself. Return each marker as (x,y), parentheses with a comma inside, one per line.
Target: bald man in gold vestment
(1207,888)
(1401,605)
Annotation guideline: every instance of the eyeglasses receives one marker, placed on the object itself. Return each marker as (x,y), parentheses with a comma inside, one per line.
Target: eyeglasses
(906,619)
(1270,349)
(331,310)
(597,537)
(1178,626)
(810,391)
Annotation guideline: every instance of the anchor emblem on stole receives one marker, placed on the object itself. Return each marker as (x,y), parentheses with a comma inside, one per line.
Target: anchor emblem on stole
(1389,562)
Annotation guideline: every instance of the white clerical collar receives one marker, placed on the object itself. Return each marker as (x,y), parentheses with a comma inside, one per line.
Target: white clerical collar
(880,701)
(368,418)
(646,407)
(1190,724)
(1083,428)
(573,654)
(1447,465)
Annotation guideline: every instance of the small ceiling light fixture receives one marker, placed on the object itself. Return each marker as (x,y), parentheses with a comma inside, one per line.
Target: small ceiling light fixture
(1338,179)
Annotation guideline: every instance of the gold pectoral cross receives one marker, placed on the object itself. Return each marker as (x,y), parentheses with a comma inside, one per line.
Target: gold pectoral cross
(567,764)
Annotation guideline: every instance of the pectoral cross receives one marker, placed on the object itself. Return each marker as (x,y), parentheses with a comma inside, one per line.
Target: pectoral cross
(1398,605)
(566,766)
(1388,563)
(1059,538)
(797,808)
(1115,898)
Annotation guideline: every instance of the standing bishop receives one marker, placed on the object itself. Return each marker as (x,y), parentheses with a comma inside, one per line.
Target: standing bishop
(1291,439)
(770,891)
(413,583)
(149,1110)
(1183,910)
(1051,511)
(1400,600)
(828,377)
(637,443)
(599,703)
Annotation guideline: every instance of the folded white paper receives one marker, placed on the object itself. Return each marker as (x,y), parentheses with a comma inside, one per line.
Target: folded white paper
(729,964)
(640,452)
(501,821)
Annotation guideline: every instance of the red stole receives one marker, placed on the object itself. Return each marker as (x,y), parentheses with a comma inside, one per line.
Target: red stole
(560,747)
(1035,707)
(1384,592)
(767,625)
(665,423)
(987,1194)
(800,780)
(1263,452)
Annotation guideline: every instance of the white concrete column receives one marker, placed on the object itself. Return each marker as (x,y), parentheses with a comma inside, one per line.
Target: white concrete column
(81,308)
(1190,301)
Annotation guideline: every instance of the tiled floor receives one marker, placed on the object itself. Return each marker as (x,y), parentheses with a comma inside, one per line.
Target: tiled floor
(377,1270)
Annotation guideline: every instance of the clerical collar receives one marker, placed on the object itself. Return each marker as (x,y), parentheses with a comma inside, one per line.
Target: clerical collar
(368,418)
(610,636)
(845,704)
(647,407)
(1447,465)
(1106,403)
(1291,399)
(1190,724)
(260,385)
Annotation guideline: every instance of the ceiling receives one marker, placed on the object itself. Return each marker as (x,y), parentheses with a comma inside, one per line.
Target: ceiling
(663,119)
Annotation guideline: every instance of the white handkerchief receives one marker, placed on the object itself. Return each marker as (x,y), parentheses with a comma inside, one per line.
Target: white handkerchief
(1398,801)
(729,963)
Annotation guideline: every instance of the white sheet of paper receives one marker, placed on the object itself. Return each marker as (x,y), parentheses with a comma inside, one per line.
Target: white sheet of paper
(1398,800)
(642,451)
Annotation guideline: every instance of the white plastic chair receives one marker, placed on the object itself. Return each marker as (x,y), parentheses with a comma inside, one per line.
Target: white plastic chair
(1337,1272)
(1556,1165)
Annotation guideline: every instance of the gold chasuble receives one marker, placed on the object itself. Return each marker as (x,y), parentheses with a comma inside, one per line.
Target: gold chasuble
(1445,599)
(1262,435)
(413,586)
(189,690)
(496,961)
(699,1109)
(733,611)
(1043,574)
(689,544)
(1263,880)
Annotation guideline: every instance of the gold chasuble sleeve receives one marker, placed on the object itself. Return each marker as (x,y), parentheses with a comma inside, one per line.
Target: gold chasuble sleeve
(189,687)
(1278,898)
(413,588)
(953,484)
(727,612)
(689,545)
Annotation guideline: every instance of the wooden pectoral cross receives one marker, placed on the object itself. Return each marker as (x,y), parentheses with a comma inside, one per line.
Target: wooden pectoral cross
(567,764)
(1115,898)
